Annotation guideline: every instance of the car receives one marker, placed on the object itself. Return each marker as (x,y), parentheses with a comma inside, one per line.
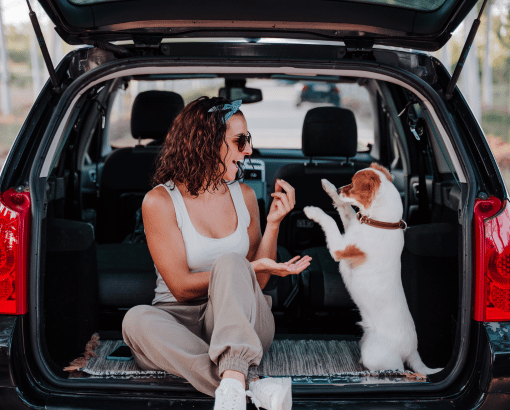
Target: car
(319,93)
(73,256)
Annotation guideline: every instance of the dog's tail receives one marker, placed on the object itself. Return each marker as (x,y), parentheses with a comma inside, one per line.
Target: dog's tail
(418,366)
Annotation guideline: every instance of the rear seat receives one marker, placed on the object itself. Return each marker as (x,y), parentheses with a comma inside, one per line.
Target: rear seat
(126,275)
(125,178)
(329,133)
(127,278)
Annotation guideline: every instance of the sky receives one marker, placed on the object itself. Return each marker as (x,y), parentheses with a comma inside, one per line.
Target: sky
(15,12)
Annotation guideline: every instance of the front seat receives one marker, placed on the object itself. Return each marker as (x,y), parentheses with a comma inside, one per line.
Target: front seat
(126,174)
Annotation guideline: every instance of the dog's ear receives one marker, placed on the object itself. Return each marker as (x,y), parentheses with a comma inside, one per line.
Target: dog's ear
(384,170)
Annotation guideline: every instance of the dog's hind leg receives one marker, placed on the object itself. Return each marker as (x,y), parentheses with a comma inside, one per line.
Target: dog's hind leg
(375,357)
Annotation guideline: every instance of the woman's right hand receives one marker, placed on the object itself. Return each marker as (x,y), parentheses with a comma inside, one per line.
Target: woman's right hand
(292,267)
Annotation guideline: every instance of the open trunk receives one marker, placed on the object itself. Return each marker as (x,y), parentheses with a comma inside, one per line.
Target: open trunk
(95,262)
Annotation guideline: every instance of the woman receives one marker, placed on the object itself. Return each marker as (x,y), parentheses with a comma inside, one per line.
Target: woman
(209,321)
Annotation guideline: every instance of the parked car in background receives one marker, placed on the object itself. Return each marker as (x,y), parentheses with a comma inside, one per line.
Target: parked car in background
(73,258)
(319,93)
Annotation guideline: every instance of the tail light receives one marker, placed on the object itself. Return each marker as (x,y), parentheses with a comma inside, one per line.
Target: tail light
(306,88)
(14,218)
(335,90)
(492,261)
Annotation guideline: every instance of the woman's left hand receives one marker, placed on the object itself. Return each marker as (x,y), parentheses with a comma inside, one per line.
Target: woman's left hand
(284,199)
(292,267)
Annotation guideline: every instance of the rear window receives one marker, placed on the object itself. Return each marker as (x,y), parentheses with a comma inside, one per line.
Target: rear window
(430,5)
(274,122)
(410,4)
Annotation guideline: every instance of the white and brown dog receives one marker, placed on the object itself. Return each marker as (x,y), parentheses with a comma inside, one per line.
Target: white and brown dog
(369,255)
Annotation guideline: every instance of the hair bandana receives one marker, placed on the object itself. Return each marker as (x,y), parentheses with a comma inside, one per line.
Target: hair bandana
(232,109)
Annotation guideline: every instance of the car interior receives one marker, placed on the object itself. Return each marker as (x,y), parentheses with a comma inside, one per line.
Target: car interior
(96,261)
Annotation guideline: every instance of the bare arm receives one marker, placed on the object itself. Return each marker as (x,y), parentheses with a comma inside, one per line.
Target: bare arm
(167,249)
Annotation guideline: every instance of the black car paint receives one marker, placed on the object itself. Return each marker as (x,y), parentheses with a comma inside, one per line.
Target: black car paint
(384,24)
(368,66)
(107,68)
(480,382)
(7,324)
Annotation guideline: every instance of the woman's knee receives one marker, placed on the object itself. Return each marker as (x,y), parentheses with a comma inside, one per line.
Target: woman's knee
(135,318)
(230,258)
(232,263)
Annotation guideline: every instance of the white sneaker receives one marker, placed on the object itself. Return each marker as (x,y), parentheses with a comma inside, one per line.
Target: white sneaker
(230,395)
(272,393)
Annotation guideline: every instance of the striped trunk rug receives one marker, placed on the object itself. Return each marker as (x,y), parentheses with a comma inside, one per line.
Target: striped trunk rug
(296,358)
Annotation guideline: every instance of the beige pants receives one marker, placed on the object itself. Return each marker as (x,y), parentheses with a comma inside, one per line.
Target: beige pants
(199,340)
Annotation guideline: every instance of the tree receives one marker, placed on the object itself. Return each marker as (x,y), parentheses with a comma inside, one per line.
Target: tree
(470,76)
(5,76)
(487,95)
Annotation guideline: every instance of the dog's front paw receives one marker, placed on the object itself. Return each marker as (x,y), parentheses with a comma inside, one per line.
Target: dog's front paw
(329,188)
(312,212)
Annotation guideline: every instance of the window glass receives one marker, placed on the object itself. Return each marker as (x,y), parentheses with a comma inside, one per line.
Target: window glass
(119,121)
(429,5)
(274,122)
(277,121)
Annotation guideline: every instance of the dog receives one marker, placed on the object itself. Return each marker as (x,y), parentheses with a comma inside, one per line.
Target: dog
(369,258)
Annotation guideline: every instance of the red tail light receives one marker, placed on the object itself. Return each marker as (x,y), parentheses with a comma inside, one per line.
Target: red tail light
(492,261)
(14,217)
(306,88)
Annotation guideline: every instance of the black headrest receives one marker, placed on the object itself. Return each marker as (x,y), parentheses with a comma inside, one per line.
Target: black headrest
(329,132)
(153,113)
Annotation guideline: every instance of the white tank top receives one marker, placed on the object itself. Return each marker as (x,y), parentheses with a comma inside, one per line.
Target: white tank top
(202,251)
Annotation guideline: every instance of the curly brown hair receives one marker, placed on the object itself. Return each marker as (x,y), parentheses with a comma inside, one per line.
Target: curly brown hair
(191,152)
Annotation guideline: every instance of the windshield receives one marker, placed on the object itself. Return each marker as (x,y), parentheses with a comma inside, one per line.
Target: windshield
(274,122)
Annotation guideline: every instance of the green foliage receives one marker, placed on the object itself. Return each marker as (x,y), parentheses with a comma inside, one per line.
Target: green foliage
(18,37)
(21,80)
(20,56)
(497,123)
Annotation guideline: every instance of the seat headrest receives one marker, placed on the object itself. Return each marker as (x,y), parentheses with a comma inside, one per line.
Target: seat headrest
(329,132)
(153,113)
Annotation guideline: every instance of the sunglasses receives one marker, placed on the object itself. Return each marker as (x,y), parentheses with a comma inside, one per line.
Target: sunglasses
(242,140)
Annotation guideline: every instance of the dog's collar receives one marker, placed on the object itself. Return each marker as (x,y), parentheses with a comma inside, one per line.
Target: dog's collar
(378,224)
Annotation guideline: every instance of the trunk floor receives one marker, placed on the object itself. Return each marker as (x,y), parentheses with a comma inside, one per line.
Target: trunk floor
(305,360)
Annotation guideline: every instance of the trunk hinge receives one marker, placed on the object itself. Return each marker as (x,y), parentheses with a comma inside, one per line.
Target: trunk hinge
(118,51)
(464,53)
(359,49)
(44,49)
(147,41)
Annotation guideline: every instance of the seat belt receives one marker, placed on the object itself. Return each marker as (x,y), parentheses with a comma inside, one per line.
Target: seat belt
(420,130)
(418,127)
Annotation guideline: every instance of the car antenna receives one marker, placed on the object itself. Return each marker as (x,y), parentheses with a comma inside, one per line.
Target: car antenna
(464,53)
(44,49)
